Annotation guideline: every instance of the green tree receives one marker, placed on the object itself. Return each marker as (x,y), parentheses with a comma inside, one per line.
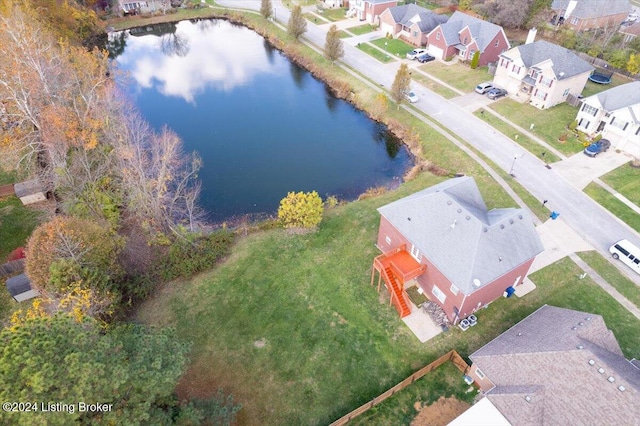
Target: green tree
(633,65)
(617,58)
(475,60)
(465,4)
(297,25)
(300,210)
(401,84)
(266,9)
(333,49)
(58,359)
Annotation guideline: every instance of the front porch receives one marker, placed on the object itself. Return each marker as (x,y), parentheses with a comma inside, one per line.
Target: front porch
(396,268)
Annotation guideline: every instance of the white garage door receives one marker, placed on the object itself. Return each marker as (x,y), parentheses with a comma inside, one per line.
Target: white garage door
(387,29)
(435,51)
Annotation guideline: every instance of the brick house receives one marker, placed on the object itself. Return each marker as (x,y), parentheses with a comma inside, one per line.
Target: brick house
(463,35)
(558,367)
(369,10)
(410,22)
(541,73)
(614,113)
(630,32)
(583,15)
(461,255)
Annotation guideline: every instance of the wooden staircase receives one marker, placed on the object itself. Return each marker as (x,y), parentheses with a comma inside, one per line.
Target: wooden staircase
(397,292)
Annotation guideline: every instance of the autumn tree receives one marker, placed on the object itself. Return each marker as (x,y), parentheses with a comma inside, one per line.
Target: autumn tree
(401,84)
(633,65)
(297,25)
(507,13)
(333,48)
(266,9)
(72,256)
(301,210)
(58,359)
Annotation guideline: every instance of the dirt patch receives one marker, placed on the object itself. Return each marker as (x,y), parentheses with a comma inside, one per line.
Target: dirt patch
(439,413)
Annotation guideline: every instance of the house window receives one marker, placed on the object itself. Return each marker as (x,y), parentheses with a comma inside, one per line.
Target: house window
(638,131)
(438,294)
(415,34)
(454,289)
(585,126)
(588,109)
(387,239)
(545,81)
(465,40)
(622,125)
(541,95)
(497,43)
(438,36)
(515,69)
(574,21)
(415,252)
(565,93)
(480,374)
(534,74)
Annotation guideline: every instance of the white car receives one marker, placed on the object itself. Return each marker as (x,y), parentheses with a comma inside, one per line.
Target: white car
(411,97)
(415,53)
(483,88)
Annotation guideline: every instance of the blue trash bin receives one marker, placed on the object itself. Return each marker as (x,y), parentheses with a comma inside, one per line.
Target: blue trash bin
(554,215)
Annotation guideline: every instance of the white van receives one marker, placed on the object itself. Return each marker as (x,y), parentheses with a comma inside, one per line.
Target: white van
(627,253)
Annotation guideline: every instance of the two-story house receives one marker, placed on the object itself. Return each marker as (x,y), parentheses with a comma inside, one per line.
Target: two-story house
(615,113)
(410,22)
(463,35)
(542,73)
(582,15)
(369,10)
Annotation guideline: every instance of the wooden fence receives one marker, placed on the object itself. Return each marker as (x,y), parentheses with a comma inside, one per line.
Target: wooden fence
(452,356)
(601,63)
(11,268)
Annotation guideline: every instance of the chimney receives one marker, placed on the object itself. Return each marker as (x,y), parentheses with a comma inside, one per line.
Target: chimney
(531,36)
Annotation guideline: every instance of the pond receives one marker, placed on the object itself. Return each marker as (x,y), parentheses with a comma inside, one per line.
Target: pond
(262,125)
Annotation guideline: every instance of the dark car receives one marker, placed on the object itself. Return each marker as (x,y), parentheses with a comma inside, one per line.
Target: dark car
(496,93)
(426,58)
(597,147)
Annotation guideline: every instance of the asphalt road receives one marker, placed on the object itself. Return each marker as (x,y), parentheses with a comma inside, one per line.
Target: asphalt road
(595,224)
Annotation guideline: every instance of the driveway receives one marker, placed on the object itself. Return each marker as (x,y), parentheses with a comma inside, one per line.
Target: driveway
(580,170)
(472,101)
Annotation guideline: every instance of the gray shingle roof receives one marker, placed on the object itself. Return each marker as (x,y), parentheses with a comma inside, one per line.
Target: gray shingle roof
(428,20)
(451,226)
(483,31)
(563,360)
(565,63)
(18,285)
(586,9)
(618,97)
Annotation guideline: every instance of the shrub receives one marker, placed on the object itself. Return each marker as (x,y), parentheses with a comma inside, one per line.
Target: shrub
(573,125)
(597,137)
(186,258)
(300,210)
(475,60)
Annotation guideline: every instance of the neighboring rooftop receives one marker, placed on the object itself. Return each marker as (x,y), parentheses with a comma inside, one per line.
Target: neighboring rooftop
(482,31)
(409,14)
(587,9)
(618,97)
(565,63)
(451,226)
(560,366)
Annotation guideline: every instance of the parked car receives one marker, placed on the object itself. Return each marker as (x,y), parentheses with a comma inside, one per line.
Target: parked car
(426,58)
(411,97)
(597,147)
(483,88)
(496,93)
(415,53)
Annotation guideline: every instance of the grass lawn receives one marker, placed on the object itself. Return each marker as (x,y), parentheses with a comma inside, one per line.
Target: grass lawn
(289,322)
(362,29)
(592,88)
(313,18)
(343,34)
(549,124)
(430,84)
(529,144)
(624,285)
(335,14)
(626,180)
(615,206)
(445,380)
(395,47)
(372,51)
(459,76)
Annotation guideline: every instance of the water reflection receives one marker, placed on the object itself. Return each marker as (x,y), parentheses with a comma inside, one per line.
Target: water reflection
(175,50)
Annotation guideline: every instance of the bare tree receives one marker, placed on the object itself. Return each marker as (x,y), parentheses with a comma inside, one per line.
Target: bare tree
(297,25)
(266,9)
(401,84)
(333,49)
